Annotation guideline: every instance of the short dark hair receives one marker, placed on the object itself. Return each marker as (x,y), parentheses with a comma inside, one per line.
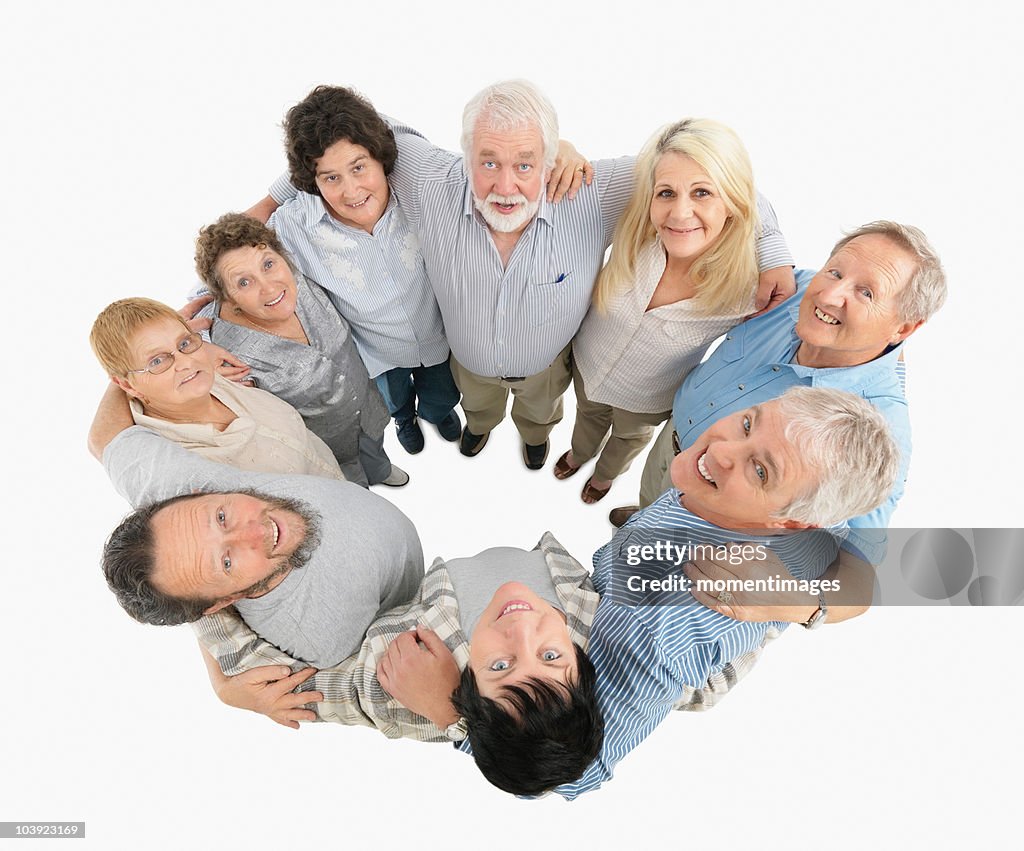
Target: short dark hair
(129,557)
(551,735)
(326,115)
(231,231)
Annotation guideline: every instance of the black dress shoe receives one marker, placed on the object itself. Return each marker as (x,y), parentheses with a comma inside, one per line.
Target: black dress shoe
(535,456)
(471,444)
(450,427)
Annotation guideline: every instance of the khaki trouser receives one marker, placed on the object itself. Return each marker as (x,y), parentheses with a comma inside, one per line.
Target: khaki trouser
(656,479)
(536,400)
(630,432)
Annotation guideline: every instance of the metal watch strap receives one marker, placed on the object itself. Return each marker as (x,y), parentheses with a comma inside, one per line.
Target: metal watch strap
(820,615)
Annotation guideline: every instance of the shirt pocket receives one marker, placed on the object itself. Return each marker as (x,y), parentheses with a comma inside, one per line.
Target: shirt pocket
(547,301)
(727,352)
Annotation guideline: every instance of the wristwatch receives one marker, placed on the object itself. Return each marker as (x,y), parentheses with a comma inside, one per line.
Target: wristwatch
(820,615)
(457,730)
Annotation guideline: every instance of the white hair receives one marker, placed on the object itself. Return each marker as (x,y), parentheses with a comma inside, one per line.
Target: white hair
(511,105)
(925,292)
(848,442)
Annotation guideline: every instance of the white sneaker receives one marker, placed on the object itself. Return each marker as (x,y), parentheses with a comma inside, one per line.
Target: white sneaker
(398,478)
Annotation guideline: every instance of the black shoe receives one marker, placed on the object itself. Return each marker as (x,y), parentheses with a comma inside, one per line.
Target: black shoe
(535,456)
(450,427)
(618,516)
(410,435)
(471,444)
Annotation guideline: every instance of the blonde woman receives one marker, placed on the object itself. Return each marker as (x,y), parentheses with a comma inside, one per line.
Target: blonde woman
(683,269)
(170,379)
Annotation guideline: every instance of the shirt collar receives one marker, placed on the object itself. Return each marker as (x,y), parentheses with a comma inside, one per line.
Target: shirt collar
(314,211)
(874,373)
(573,586)
(853,378)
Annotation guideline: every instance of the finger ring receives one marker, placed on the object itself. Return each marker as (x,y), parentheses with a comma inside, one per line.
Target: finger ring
(581,168)
(725,597)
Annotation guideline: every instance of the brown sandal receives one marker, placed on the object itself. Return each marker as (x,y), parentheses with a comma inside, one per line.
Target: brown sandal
(590,494)
(562,468)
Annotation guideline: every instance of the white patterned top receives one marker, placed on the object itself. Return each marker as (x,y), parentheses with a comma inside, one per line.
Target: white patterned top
(377,281)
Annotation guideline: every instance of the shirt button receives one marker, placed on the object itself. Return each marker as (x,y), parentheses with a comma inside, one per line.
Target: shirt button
(728,336)
(775,369)
(690,422)
(741,387)
(711,404)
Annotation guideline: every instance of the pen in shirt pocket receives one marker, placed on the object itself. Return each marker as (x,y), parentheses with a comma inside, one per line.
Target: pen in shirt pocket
(563,277)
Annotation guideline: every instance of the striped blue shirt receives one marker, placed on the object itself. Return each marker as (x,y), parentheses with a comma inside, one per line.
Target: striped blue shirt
(648,648)
(507,320)
(376,281)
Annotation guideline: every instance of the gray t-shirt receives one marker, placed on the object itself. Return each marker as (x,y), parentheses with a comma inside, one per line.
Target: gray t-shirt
(475,579)
(369,559)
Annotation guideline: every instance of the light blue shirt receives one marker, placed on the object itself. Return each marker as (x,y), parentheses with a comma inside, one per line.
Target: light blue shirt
(647,648)
(377,281)
(754,364)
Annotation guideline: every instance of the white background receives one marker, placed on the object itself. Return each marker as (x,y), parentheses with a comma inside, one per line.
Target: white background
(125,131)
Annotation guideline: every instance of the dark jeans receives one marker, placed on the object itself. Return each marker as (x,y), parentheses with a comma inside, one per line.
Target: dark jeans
(432,385)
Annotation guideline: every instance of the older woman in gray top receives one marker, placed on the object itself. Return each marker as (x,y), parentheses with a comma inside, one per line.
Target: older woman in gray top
(298,346)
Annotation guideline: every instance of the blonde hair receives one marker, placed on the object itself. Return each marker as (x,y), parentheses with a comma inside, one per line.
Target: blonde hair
(726,273)
(113,329)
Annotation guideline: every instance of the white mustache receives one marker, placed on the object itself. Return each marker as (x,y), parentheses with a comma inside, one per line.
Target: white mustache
(495,198)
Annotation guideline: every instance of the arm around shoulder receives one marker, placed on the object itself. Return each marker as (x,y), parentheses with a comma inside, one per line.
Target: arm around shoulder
(112,417)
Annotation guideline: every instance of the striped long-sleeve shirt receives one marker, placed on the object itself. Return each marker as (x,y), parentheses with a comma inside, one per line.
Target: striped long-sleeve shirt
(652,650)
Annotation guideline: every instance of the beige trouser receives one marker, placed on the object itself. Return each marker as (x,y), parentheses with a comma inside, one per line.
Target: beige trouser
(630,432)
(655,479)
(536,400)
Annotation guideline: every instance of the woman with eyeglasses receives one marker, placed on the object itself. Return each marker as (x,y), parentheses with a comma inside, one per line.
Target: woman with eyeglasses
(170,377)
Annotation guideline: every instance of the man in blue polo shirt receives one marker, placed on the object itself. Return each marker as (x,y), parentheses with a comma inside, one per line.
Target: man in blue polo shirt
(844,328)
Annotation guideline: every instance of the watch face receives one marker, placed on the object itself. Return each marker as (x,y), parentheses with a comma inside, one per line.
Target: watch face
(818,618)
(457,731)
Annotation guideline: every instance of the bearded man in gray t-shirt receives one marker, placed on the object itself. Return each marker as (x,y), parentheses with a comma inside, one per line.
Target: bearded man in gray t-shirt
(206,536)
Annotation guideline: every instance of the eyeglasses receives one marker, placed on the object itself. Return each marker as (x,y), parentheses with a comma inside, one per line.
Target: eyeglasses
(162,362)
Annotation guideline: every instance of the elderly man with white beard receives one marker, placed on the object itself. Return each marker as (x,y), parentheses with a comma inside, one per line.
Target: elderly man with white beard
(513,272)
